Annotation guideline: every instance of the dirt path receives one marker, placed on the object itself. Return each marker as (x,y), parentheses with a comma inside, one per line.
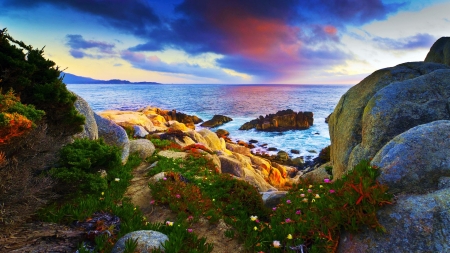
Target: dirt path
(141,196)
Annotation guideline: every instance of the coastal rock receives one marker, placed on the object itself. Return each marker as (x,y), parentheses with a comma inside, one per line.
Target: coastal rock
(143,147)
(231,166)
(282,156)
(217,120)
(172,154)
(414,161)
(257,180)
(281,121)
(188,120)
(222,133)
(90,129)
(114,135)
(317,175)
(271,199)
(440,51)
(139,131)
(213,142)
(238,149)
(128,119)
(186,141)
(177,126)
(147,241)
(415,223)
(368,115)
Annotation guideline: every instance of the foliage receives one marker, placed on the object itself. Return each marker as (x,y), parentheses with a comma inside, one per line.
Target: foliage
(37,81)
(163,144)
(16,118)
(81,163)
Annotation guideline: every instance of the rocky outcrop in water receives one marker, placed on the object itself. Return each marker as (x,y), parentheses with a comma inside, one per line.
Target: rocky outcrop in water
(281,121)
(217,120)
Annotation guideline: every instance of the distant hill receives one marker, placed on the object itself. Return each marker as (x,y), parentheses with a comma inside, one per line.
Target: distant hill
(74,79)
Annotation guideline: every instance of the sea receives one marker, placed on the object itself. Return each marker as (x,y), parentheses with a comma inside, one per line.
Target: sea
(240,102)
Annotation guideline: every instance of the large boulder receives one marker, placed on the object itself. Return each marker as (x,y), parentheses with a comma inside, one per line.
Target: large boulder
(383,105)
(212,141)
(128,119)
(90,129)
(114,135)
(217,120)
(281,121)
(147,241)
(231,166)
(440,51)
(143,147)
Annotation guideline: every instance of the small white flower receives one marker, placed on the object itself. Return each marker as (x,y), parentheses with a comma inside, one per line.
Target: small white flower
(117,179)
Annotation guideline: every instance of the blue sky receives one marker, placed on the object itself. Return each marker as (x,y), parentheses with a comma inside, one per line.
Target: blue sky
(232,41)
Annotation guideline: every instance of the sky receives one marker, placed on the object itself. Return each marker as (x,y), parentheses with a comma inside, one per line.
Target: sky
(228,41)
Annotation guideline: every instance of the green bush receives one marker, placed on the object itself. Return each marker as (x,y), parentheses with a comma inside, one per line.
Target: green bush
(37,81)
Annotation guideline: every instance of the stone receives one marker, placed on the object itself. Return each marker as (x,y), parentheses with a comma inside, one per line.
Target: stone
(317,175)
(186,141)
(415,223)
(238,149)
(298,161)
(90,129)
(271,199)
(281,121)
(295,151)
(263,163)
(128,119)
(147,241)
(222,133)
(172,154)
(282,156)
(231,166)
(143,147)
(257,180)
(358,121)
(175,125)
(414,161)
(440,51)
(114,135)
(157,177)
(212,141)
(217,120)
(139,131)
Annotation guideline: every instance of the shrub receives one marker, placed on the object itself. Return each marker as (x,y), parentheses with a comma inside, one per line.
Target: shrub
(37,81)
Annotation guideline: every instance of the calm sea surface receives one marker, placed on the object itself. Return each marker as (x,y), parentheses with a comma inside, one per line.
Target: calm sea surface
(240,102)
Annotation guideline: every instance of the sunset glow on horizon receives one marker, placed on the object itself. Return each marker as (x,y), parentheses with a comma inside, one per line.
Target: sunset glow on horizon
(230,42)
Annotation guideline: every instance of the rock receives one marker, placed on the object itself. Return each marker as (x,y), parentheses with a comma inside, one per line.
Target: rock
(276,178)
(147,241)
(198,138)
(186,141)
(159,122)
(415,223)
(215,159)
(217,120)
(114,135)
(188,120)
(143,147)
(231,166)
(272,149)
(282,169)
(157,177)
(383,105)
(282,156)
(317,175)
(272,199)
(295,151)
(139,131)
(222,133)
(298,161)
(440,51)
(252,141)
(177,126)
(128,119)
(281,121)
(90,129)
(264,164)
(414,161)
(172,154)
(238,149)
(212,141)
(327,118)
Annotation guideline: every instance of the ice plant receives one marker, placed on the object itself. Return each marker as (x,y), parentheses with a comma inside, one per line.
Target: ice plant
(117,179)
(190,230)
(165,178)
(274,209)
(255,228)
(326,180)
(332,191)
(317,196)
(178,196)
(276,244)
(305,200)
(309,190)
(302,195)
(169,223)
(152,202)
(288,201)
(289,236)
(253,218)
(288,220)
(298,212)
(310,186)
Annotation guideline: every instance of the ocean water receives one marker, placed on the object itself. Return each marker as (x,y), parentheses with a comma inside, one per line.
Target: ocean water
(240,102)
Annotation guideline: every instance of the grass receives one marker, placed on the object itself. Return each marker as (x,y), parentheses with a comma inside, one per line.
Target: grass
(309,217)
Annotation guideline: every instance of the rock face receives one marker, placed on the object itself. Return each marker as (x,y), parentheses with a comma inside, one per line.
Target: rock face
(147,241)
(129,119)
(281,121)
(383,105)
(217,120)
(440,51)
(143,147)
(90,129)
(114,135)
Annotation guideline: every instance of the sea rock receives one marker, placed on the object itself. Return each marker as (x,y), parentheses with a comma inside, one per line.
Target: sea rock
(213,142)
(440,51)
(172,154)
(238,149)
(415,223)
(217,120)
(282,156)
(90,129)
(414,161)
(222,133)
(317,175)
(281,121)
(147,241)
(383,105)
(128,119)
(177,126)
(114,135)
(271,199)
(231,166)
(143,147)
(139,131)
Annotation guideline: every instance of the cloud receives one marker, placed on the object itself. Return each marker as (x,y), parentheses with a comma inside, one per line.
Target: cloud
(78,45)
(154,63)
(418,41)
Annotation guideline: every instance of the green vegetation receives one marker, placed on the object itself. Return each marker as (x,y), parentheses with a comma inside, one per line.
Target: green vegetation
(25,71)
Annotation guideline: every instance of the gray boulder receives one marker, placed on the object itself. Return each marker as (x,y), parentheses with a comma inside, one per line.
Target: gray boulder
(147,240)
(440,51)
(231,166)
(272,198)
(90,129)
(139,131)
(415,223)
(114,135)
(358,117)
(143,147)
